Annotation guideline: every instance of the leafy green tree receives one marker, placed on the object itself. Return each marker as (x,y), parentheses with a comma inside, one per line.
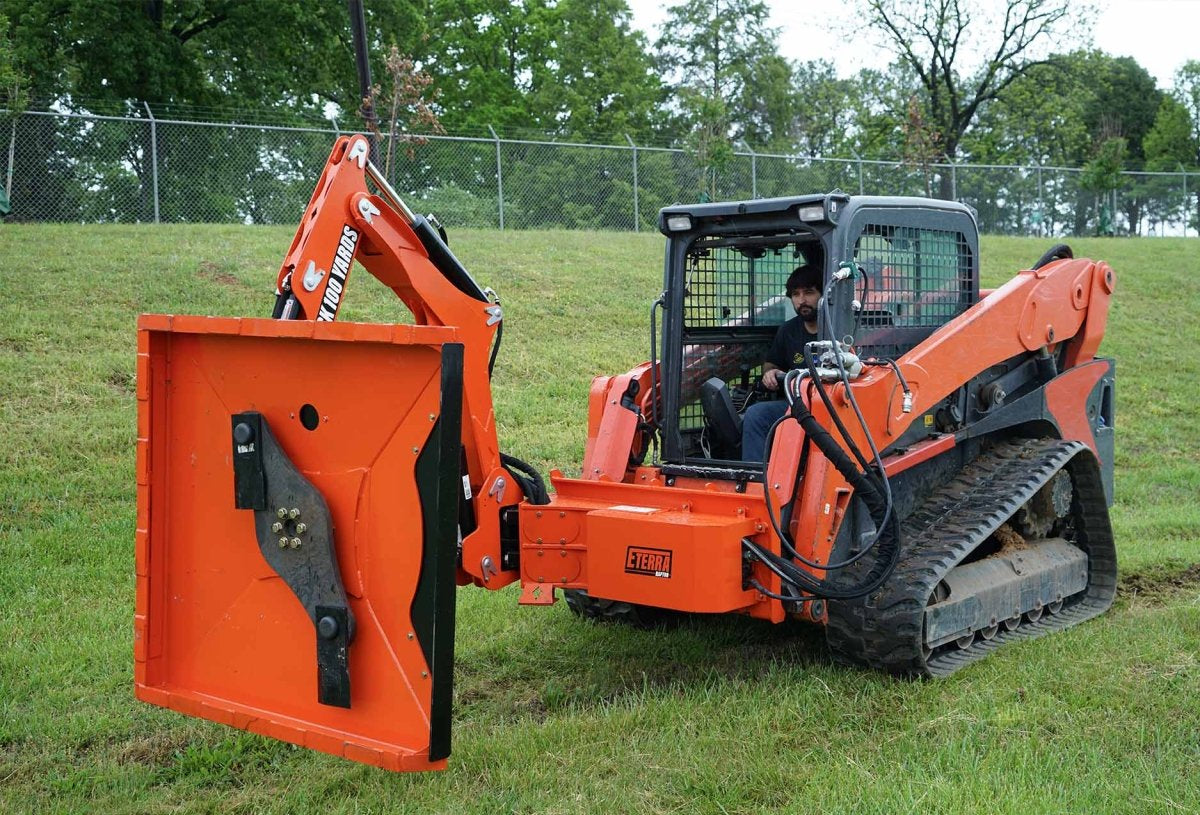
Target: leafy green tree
(1170,146)
(712,54)
(1187,91)
(963,57)
(488,60)
(1102,176)
(604,80)
(823,110)
(188,57)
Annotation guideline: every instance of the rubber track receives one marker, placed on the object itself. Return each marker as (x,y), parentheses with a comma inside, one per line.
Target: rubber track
(886,629)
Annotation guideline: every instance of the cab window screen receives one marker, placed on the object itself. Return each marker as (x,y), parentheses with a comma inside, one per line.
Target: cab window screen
(738,287)
(917,280)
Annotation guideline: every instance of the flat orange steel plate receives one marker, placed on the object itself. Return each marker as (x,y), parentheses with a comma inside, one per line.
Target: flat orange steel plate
(370,416)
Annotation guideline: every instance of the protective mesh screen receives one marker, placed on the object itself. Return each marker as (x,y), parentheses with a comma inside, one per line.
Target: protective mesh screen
(916,280)
(733,361)
(732,287)
(740,290)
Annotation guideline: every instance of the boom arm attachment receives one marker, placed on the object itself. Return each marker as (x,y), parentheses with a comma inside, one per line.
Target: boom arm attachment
(346,221)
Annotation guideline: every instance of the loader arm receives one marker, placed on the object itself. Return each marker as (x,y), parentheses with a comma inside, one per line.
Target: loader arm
(344,222)
(1062,304)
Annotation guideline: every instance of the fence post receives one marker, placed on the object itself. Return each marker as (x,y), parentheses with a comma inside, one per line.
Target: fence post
(153,156)
(1185,198)
(12,149)
(1042,227)
(337,131)
(753,169)
(858,159)
(499,178)
(953,180)
(636,212)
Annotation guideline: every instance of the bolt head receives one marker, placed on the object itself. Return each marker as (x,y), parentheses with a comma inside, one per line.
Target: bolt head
(281,513)
(294,543)
(301,528)
(293,513)
(327,627)
(277,527)
(283,542)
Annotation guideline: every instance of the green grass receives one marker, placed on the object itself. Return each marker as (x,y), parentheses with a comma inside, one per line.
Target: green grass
(554,715)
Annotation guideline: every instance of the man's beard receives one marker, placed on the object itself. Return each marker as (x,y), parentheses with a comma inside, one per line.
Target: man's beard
(807,313)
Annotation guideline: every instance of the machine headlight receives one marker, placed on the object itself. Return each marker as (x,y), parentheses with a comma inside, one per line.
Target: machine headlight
(679,223)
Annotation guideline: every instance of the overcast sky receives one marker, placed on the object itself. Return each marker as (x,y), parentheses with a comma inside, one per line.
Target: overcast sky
(1160,34)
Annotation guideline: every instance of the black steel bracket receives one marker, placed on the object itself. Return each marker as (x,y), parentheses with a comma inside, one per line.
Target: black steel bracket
(295,535)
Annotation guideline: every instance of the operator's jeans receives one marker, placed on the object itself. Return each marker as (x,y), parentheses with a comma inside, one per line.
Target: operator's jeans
(756,422)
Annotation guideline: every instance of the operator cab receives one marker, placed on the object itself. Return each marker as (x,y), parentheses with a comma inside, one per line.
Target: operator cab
(725,272)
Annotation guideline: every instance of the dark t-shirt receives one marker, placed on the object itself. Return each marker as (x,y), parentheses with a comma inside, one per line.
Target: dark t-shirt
(787,349)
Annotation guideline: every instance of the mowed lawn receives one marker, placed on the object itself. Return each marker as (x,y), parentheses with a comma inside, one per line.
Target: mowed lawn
(554,715)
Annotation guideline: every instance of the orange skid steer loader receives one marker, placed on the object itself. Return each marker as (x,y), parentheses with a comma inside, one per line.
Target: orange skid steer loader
(311,492)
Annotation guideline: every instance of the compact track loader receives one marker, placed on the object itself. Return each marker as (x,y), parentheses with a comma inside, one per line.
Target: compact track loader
(311,492)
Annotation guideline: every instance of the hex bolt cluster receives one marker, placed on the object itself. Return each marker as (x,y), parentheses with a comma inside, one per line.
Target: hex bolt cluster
(288,518)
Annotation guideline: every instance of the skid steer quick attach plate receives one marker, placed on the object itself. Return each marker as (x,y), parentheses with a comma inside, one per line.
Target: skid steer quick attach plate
(370,416)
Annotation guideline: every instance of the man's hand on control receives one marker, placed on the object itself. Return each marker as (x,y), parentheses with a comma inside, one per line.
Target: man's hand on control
(771,378)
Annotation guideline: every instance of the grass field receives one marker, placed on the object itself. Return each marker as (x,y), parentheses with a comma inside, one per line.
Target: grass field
(554,715)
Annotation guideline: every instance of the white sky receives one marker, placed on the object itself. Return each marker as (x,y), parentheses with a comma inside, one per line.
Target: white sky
(1160,34)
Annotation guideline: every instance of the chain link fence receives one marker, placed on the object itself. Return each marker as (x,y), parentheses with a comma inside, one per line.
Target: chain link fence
(85,168)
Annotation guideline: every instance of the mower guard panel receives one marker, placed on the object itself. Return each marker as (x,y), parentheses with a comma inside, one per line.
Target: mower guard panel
(369,417)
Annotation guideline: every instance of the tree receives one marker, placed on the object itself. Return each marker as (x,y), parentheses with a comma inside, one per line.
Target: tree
(1187,91)
(823,110)
(1170,146)
(936,39)
(489,63)
(188,57)
(717,57)
(112,57)
(920,143)
(1102,176)
(406,107)
(605,84)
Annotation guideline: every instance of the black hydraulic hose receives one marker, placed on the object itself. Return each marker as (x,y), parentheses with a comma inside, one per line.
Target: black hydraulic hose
(776,522)
(530,479)
(657,304)
(887,540)
(833,414)
(496,345)
(654,390)
(1060,251)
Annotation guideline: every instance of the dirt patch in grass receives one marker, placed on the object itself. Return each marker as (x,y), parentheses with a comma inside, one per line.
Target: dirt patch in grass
(123,381)
(153,750)
(1161,582)
(213,272)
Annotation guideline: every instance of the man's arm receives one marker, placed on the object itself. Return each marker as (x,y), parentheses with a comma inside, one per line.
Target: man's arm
(772,374)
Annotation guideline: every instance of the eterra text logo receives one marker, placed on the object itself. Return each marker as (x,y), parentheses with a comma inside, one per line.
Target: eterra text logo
(652,562)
